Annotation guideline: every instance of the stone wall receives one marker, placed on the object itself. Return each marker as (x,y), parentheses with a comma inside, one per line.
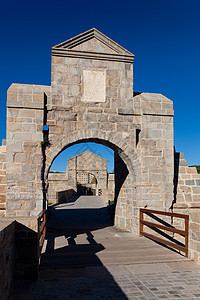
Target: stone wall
(66,196)
(187,201)
(114,119)
(7,233)
(18,251)
(111,187)
(156,151)
(61,188)
(187,184)
(91,100)
(3,178)
(24,160)
(57,182)
(89,162)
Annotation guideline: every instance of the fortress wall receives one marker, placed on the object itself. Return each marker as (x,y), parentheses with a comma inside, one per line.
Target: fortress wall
(3,183)
(187,201)
(57,182)
(24,158)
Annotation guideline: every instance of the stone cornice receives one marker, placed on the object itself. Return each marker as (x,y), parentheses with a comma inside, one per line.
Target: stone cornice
(92,55)
(66,48)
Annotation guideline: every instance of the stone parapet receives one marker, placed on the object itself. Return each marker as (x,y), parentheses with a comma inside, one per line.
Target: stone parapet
(57,182)
(18,251)
(27,95)
(153,104)
(187,201)
(187,182)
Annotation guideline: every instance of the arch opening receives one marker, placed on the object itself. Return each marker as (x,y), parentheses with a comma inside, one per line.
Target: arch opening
(108,144)
(107,182)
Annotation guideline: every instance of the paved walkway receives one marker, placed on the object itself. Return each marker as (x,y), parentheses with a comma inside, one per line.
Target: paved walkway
(85,257)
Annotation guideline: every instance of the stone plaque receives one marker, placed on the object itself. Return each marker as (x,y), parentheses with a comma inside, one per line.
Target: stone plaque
(94,86)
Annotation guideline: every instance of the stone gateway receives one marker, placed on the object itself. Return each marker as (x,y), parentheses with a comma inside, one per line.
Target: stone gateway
(86,174)
(91,99)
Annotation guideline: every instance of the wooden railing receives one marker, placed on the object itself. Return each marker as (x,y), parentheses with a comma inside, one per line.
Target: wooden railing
(41,230)
(156,227)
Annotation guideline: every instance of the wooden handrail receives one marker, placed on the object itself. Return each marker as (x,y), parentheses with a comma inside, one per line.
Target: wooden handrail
(168,228)
(165,213)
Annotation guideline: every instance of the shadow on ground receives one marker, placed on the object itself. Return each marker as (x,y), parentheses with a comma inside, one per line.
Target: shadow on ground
(64,227)
(70,255)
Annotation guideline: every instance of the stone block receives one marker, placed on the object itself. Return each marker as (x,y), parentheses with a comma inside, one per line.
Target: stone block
(188,197)
(189,182)
(22,136)
(125,111)
(74,90)
(196,198)
(114,81)
(184,189)
(191,170)
(37,137)
(183,162)
(197,181)
(111,92)
(26,113)
(111,72)
(196,189)
(15,146)
(156,134)
(31,128)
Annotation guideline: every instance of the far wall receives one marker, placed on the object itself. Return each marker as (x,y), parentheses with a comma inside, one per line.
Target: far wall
(64,185)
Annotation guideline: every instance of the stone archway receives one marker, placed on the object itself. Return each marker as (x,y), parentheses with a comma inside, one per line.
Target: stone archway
(90,99)
(126,177)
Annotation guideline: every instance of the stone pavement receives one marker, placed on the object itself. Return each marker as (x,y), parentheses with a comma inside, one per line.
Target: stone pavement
(91,259)
(125,282)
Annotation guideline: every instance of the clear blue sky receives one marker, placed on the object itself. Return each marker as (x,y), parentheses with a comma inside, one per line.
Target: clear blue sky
(60,163)
(163,35)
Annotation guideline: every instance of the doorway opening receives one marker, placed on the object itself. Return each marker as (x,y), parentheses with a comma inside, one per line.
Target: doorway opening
(90,173)
(82,169)
(85,189)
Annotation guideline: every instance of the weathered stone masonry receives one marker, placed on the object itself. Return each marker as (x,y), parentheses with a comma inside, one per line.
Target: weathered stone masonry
(187,201)
(64,185)
(3,178)
(91,99)
(74,115)
(25,120)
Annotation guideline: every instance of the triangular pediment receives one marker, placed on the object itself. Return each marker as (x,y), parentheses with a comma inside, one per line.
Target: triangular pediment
(93,42)
(85,153)
(94,45)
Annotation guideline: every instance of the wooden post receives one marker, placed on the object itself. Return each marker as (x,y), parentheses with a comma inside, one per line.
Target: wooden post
(186,234)
(141,224)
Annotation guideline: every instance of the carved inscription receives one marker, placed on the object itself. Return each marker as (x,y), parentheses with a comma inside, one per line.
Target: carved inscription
(94,86)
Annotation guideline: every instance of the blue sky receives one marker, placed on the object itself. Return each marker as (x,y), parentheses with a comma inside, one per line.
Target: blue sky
(163,35)
(60,163)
